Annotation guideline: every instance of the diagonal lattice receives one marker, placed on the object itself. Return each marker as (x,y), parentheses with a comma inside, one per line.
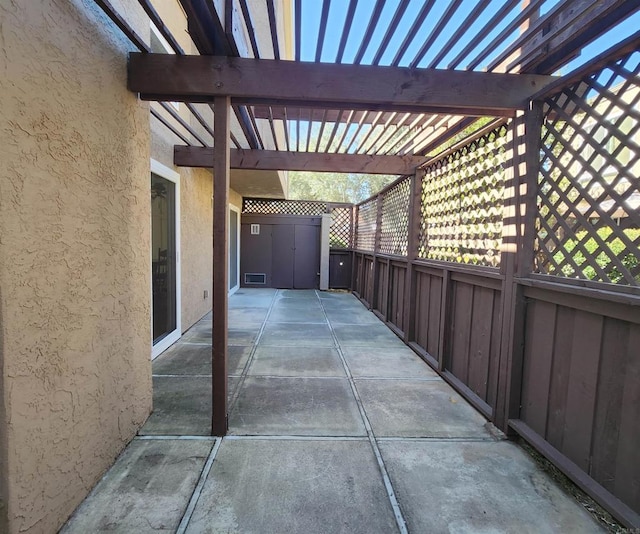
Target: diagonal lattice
(588,224)
(264,206)
(366,225)
(340,231)
(461,203)
(394,227)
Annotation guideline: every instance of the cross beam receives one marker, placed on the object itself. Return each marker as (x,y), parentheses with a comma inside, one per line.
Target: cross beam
(170,77)
(274,160)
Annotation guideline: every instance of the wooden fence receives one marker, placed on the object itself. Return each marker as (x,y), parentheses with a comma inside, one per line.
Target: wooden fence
(512,266)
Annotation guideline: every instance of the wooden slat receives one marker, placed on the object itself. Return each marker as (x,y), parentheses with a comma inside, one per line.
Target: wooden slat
(220,266)
(169,126)
(448,14)
(292,161)
(494,357)
(322,30)
(273,26)
(460,31)
(123,25)
(460,332)
(628,461)
(560,49)
(246,14)
(539,342)
(581,388)
(529,11)
(199,78)
(586,303)
(345,30)
(391,29)
(560,371)
(421,314)
(413,31)
(371,26)
(480,341)
(609,408)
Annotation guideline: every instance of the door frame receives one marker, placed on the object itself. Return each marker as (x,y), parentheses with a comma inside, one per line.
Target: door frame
(168,174)
(237,210)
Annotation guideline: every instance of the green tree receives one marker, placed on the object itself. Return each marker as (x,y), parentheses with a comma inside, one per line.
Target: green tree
(335,187)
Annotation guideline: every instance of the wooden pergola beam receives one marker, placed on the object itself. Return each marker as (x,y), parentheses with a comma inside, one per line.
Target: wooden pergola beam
(170,77)
(274,160)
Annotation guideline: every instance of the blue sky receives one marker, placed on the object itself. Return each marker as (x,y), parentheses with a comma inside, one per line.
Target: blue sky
(311,14)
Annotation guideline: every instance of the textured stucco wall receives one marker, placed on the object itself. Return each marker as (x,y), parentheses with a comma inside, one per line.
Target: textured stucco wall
(75,273)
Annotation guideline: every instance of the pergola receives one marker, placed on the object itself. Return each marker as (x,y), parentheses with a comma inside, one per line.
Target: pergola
(388,110)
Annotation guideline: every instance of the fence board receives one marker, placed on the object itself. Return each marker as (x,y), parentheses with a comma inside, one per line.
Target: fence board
(606,432)
(581,389)
(560,370)
(460,332)
(494,362)
(480,341)
(628,469)
(397,296)
(539,340)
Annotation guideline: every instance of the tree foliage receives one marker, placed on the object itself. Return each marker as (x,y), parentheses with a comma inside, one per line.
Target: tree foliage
(335,187)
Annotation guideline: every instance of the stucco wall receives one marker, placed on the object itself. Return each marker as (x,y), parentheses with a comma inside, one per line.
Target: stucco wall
(75,273)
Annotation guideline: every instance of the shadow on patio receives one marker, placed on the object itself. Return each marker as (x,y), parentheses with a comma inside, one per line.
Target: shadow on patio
(335,426)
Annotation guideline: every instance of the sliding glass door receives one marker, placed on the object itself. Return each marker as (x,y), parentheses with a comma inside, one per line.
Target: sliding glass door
(165,281)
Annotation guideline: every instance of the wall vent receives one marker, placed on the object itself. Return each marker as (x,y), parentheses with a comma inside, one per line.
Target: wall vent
(255,278)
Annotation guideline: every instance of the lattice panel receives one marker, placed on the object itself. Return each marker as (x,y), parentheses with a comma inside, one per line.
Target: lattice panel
(589,195)
(394,229)
(340,231)
(283,207)
(367,215)
(461,203)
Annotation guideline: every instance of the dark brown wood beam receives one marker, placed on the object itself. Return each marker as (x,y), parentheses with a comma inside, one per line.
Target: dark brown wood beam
(219,342)
(274,160)
(200,78)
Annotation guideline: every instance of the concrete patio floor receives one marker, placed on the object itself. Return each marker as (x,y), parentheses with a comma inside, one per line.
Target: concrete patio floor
(335,426)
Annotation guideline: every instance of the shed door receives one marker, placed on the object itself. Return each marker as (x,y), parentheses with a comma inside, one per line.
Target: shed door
(306,263)
(283,249)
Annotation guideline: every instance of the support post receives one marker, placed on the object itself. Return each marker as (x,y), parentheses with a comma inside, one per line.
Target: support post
(517,258)
(221,170)
(412,253)
(376,248)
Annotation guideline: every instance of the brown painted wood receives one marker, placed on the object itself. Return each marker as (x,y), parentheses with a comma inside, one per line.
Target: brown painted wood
(199,78)
(494,356)
(187,156)
(221,172)
(421,310)
(560,371)
(445,307)
(413,226)
(628,461)
(539,343)
(460,332)
(480,341)
(606,424)
(517,258)
(617,310)
(581,388)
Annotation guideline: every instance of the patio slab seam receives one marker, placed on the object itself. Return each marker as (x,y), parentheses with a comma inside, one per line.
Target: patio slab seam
(393,501)
(254,347)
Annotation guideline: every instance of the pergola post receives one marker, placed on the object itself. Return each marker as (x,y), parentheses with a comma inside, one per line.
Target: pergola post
(413,239)
(517,258)
(221,170)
